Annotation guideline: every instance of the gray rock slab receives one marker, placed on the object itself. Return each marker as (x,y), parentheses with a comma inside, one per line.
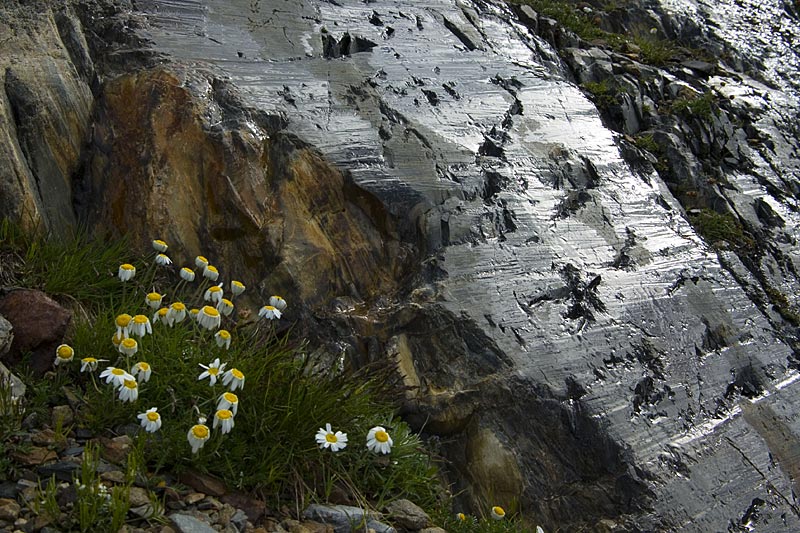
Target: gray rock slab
(345,518)
(189,524)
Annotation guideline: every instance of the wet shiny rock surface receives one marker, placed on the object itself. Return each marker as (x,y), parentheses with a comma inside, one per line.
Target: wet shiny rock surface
(606,315)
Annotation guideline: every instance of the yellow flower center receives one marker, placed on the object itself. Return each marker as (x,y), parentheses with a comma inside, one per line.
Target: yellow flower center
(127,266)
(212,268)
(195,311)
(330,437)
(224,334)
(153,296)
(214,288)
(230,397)
(498,511)
(202,259)
(213,371)
(152,416)
(224,414)
(129,343)
(236,373)
(89,360)
(140,319)
(462,517)
(381,436)
(178,306)
(269,308)
(210,311)
(130,383)
(227,303)
(188,270)
(117,371)
(159,242)
(200,432)
(237,284)
(116,339)
(144,367)
(65,352)
(163,311)
(123,320)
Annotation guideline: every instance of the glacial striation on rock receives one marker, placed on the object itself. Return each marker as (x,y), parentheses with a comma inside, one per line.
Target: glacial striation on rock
(429,184)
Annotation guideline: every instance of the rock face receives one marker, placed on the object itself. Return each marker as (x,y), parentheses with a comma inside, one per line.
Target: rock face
(45,109)
(430,187)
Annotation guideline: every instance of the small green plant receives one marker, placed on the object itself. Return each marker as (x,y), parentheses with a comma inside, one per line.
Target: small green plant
(602,94)
(464,523)
(699,106)
(646,142)
(656,52)
(718,227)
(46,502)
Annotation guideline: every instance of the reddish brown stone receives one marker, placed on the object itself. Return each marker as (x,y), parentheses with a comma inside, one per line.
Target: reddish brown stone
(203,483)
(39,327)
(34,456)
(254,509)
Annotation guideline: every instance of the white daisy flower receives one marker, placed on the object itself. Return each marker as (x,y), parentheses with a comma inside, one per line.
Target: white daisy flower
(194,314)
(270,312)
(223,338)
(228,400)
(153,300)
(140,326)
(209,318)
(211,272)
(379,441)
(225,307)
(129,346)
(326,438)
(200,261)
(160,246)
(233,379)
(212,371)
(89,364)
(114,375)
(64,354)
(163,260)
(129,391)
(116,338)
(187,274)
(151,420)
(142,371)
(198,436)
(176,313)
(277,302)
(162,315)
(123,323)
(126,272)
(498,513)
(214,293)
(224,419)
(237,287)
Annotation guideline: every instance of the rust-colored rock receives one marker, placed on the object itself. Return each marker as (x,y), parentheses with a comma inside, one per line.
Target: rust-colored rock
(39,327)
(34,456)
(255,509)
(259,203)
(203,483)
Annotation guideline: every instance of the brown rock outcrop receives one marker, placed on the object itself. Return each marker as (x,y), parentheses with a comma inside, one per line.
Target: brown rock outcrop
(175,155)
